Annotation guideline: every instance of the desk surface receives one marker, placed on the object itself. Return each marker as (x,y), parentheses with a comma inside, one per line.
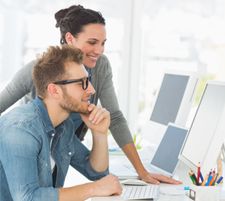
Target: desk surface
(181,174)
(120,162)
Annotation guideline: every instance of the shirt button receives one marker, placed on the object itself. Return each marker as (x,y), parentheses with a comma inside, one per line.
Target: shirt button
(70,153)
(53,134)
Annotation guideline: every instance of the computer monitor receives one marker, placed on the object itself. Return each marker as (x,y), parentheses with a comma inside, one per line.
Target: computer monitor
(172,104)
(174,98)
(206,134)
(165,159)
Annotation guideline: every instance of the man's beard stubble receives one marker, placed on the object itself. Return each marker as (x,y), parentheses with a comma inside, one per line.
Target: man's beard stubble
(71,105)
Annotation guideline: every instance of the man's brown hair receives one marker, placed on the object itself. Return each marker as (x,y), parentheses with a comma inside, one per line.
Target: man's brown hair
(50,67)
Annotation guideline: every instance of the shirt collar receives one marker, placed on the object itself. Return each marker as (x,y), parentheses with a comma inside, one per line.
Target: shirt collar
(44,116)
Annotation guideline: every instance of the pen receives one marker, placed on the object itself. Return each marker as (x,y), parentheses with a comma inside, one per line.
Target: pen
(213,184)
(209,180)
(192,179)
(219,180)
(213,172)
(212,180)
(213,177)
(202,179)
(210,172)
(198,172)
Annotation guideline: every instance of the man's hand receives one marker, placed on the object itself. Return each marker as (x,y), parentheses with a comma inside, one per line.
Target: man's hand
(157,178)
(98,120)
(108,185)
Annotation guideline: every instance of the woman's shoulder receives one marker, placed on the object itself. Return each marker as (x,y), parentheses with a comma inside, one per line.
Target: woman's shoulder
(102,65)
(27,69)
(30,65)
(103,59)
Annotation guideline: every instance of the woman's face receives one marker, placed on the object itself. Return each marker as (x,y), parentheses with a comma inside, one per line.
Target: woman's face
(91,42)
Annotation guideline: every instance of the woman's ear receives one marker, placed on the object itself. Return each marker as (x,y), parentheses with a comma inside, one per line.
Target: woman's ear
(69,38)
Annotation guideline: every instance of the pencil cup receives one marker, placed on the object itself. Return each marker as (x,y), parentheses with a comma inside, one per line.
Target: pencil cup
(205,193)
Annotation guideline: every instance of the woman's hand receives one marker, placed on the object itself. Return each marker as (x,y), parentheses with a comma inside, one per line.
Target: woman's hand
(157,178)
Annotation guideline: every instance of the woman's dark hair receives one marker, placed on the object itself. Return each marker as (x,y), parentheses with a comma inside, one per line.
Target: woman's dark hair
(73,19)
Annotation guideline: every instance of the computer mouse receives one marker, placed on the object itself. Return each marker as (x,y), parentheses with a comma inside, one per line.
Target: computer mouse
(134,182)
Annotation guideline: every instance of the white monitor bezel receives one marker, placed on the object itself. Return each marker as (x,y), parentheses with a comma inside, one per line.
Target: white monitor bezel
(221,126)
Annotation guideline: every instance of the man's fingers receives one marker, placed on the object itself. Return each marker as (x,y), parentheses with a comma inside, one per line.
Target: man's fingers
(104,114)
(91,107)
(93,112)
(98,114)
(98,120)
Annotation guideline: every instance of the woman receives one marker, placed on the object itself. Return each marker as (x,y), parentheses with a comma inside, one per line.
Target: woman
(85,29)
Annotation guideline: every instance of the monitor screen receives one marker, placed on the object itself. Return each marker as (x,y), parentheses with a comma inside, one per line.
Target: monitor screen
(174,98)
(166,155)
(203,132)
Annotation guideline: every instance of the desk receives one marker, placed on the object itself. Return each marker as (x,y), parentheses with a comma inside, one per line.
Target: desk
(75,178)
(120,162)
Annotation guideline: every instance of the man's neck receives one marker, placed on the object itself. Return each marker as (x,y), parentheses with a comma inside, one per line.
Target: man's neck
(56,114)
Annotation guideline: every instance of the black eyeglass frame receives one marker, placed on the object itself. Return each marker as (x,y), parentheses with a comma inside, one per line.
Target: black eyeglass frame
(84,81)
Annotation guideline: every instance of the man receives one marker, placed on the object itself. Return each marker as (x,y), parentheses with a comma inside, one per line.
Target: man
(37,141)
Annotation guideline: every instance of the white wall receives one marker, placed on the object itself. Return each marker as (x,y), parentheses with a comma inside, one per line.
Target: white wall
(145,37)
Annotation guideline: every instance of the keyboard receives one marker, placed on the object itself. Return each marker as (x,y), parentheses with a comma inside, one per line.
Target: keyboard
(140,192)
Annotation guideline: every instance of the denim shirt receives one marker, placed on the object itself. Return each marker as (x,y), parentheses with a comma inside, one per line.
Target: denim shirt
(25,169)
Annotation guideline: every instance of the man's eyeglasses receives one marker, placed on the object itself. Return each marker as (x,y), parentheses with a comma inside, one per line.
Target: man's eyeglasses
(84,82)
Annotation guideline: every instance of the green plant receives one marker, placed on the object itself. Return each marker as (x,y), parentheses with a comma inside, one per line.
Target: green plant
(137,141)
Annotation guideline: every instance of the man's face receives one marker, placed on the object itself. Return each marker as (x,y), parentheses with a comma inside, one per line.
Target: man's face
(75,98)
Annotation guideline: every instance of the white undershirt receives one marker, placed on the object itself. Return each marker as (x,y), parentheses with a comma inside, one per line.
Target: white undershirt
(52,161)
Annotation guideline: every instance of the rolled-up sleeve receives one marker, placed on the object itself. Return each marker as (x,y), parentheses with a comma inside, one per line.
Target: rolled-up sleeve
(80,161)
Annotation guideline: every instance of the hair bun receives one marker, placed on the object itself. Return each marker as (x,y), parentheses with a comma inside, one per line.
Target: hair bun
(63,12)
(60,15)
